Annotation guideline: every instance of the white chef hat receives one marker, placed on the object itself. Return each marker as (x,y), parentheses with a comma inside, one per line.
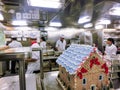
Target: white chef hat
(62,36)
(33,36)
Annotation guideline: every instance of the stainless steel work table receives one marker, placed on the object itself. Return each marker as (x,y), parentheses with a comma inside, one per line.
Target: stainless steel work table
(49,58)
(19,54)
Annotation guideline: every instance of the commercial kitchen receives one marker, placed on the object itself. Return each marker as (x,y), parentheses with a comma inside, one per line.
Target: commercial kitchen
(59,44)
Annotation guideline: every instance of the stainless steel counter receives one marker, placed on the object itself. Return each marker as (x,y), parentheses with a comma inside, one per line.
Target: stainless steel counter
(19,54)
(50,59)
(45,58)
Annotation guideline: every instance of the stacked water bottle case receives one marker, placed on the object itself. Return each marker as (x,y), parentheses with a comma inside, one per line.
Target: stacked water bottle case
(78,64)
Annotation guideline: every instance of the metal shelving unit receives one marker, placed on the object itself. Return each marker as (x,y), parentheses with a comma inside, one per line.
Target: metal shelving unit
(114,73)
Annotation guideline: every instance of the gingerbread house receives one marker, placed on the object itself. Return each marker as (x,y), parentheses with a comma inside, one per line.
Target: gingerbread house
(81,67)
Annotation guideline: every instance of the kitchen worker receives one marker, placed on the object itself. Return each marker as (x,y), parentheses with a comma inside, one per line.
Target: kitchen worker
(42,43)
(14,44)
(34,61)
(110,48)
(61,44)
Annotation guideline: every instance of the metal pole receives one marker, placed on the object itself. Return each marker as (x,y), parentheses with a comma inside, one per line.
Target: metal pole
(41,65)
(41,70)
(22,74)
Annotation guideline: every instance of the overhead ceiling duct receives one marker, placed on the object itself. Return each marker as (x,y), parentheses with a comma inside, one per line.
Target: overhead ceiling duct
(92,10)
(87,12)
(71,13)
(74,10)
(101,11)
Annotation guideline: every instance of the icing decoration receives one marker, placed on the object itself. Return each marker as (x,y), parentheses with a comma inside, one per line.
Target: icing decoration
(83,70)
(94,61)
(104,66)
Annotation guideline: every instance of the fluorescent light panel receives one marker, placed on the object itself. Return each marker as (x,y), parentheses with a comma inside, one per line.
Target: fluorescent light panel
(45,3)
(19,22)
(104,21)
(99,26)
(1,17)
(84,19)
(51,29)
(115,11)
(109,30)
(55,24)
(88,25)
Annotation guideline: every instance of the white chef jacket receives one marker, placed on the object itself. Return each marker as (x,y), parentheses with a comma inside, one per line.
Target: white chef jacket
(111,50)
(15,44)
(43,44)
(61,45)
(33,66)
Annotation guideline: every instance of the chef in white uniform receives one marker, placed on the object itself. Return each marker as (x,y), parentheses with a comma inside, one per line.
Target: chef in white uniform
(42,43)
(110,49)
(14,44)
(34,61)
(61,44)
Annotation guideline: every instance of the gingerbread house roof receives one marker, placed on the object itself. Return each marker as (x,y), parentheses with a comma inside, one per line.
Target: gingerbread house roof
(74,57)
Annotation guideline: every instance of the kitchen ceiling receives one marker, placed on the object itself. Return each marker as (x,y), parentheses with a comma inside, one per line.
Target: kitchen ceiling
(71,12)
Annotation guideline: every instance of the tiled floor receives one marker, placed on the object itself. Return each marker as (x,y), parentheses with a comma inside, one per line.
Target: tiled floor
(50,82)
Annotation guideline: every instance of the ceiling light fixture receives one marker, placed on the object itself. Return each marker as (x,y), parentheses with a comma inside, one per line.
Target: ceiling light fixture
(1,17)
(104,21)
(45,3)
(51,29)
(115,10)
(88,25)
(84,19)
(99,26)
(109,30)
(55,24)
(19,22)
